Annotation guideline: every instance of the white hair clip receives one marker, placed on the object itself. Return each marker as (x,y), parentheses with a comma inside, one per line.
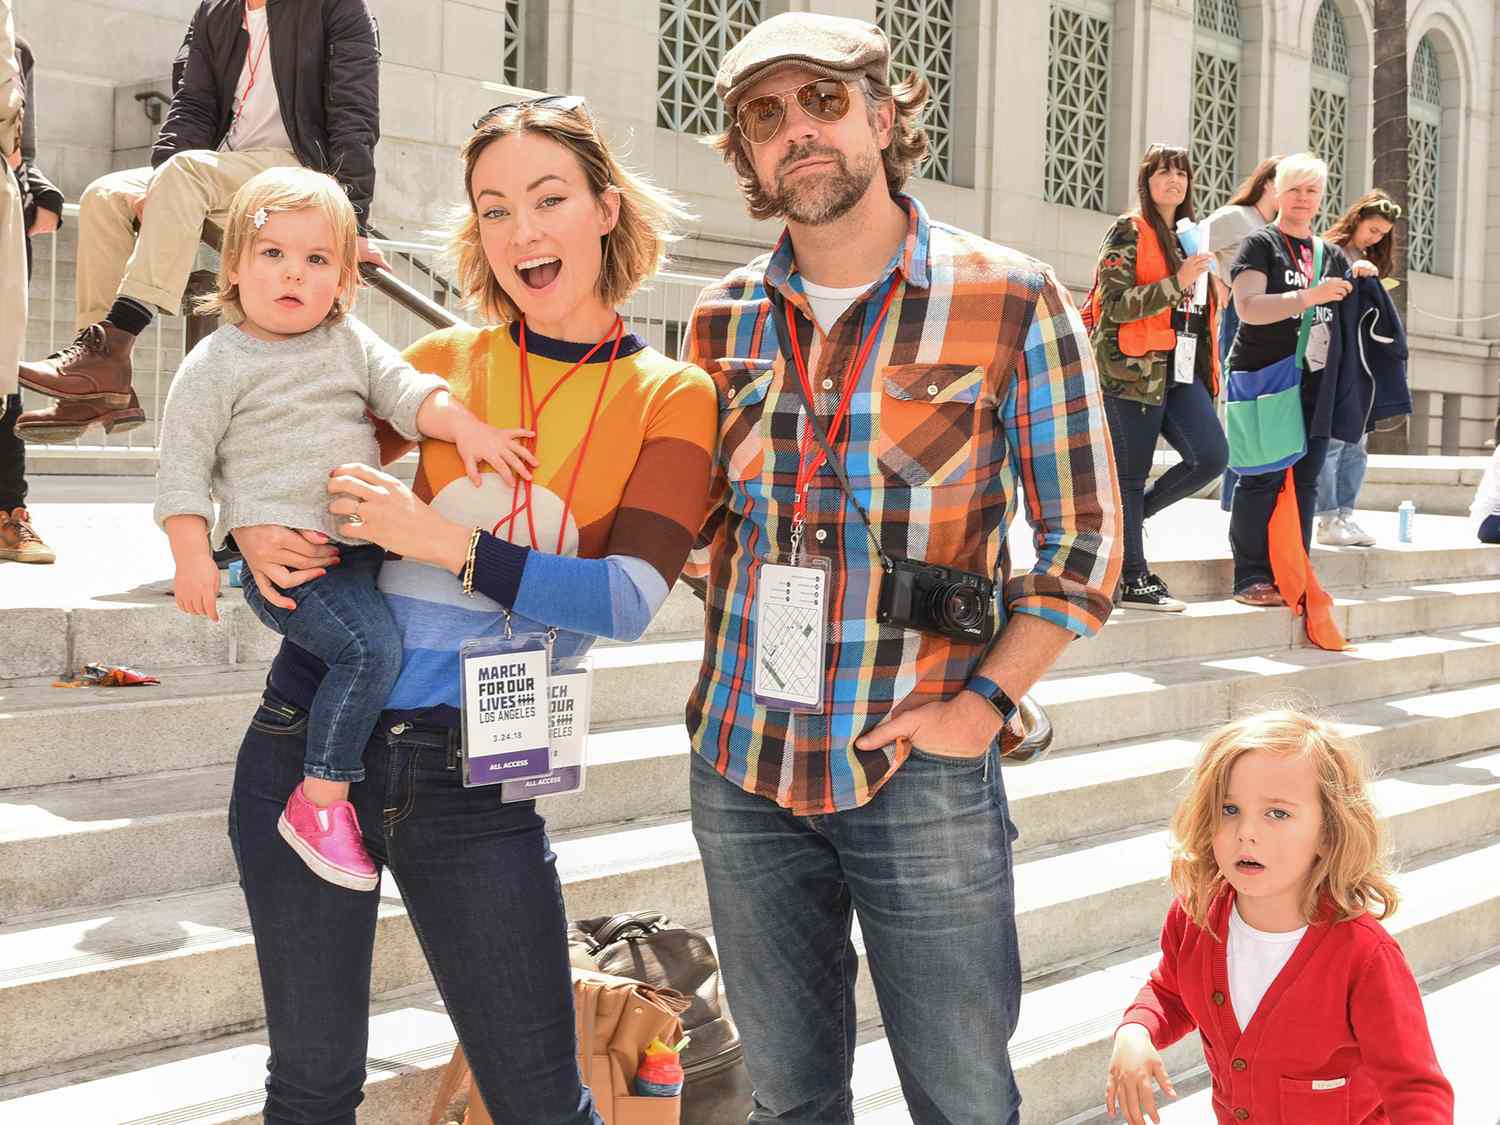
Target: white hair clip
(260,218)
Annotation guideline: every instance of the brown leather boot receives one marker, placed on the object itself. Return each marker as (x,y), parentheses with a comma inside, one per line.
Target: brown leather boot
(95,367)
(66,420)
(18,542)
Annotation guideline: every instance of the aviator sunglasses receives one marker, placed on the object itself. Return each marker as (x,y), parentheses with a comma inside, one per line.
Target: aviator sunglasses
(556,101)
(824,99)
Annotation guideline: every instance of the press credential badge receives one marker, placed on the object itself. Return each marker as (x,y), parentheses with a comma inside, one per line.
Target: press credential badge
(505,726)
(568,712)
(790,611)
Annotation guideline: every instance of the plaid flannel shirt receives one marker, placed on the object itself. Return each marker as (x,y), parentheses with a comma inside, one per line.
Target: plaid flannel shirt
(982,382)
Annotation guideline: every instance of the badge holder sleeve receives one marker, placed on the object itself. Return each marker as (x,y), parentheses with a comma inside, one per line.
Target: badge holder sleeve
(570,698)
(505,685)
(790,632)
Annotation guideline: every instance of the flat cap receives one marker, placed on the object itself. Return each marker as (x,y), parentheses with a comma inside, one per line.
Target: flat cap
(834,46)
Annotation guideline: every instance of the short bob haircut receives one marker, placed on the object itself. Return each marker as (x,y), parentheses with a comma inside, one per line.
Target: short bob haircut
(285,189)
(1301,168)
(907,151)
(1351,868)
(634,250)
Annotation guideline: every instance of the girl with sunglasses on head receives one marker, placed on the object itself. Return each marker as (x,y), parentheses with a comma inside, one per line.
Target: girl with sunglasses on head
(1157,364)
(555,236)
(1365,230)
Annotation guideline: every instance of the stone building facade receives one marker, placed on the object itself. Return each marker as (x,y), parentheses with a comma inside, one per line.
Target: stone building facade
(1042,108)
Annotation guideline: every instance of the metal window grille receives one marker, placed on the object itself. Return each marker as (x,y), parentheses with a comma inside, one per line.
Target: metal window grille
(512,53)
(1328,108)
(695,34)
(921,35)
(1425,114)
(1077,142)
(1214,133)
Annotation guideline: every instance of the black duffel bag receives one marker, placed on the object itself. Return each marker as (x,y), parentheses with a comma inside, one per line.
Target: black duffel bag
(645,946)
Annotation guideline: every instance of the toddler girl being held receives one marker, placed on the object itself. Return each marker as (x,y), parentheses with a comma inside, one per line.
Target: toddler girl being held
(1307,1009)
(257,414)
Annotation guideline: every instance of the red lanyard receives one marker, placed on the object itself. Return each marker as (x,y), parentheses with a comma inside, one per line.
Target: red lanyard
(528,396)
(252,64)
(1303,261)
(810,457)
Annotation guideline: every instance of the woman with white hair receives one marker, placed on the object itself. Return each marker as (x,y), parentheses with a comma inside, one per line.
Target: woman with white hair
(1281,273)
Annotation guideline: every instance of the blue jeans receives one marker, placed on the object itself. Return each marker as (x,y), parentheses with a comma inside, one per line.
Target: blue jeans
(1255,500)
(343,620)
(1341,477)
(1187,420)
(480,885)
(927,867)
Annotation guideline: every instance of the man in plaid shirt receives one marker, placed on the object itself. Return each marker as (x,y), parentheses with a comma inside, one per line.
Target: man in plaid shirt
(973,383)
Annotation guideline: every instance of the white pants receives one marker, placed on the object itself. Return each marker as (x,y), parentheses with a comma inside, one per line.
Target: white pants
(153,267)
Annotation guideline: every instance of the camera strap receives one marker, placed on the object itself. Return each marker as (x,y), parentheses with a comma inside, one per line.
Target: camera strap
(792,351)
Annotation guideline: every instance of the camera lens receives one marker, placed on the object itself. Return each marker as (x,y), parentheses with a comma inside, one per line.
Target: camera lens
(957,606)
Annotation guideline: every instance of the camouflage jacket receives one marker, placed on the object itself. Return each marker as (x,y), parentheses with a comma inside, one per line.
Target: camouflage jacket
(1137,378)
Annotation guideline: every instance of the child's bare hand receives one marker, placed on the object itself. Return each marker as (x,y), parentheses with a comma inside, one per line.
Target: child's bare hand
(196,587)
(502,450)
(1133,1065)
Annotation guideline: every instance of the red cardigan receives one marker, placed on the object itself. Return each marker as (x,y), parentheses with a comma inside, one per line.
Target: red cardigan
(1345,1007)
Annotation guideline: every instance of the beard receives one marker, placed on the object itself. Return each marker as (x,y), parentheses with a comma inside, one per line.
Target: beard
(825,196)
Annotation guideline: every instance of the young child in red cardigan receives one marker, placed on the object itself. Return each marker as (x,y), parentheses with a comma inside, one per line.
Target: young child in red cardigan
(1306,1007)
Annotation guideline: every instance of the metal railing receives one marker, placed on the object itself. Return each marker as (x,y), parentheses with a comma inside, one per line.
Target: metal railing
(401,305)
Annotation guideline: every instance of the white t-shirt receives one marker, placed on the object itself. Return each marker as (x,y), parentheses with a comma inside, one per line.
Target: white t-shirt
(1227,228)
(1255,959)
(828,304)
(258,121)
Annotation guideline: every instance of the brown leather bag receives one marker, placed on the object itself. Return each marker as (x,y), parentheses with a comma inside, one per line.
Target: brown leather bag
(645,946)
(616,1019)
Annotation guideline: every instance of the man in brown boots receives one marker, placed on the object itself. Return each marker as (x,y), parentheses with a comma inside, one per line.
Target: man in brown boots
(254,86)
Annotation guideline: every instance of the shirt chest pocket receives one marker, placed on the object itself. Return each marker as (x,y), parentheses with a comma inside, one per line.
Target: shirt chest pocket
(742,438)
(929,415)
(1320,1101)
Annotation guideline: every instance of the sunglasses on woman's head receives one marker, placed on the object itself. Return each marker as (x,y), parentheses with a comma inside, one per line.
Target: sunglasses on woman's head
(556,101)
(1386,207)
(824,99)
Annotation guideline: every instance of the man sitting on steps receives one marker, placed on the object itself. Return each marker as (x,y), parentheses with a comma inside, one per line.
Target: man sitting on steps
(253,87)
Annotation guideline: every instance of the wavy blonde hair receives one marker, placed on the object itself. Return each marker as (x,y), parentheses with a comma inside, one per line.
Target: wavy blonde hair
(285,189)
(634,250)
(1351,868)
(907,151)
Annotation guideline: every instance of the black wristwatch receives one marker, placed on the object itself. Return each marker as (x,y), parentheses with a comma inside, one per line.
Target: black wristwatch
(992,692)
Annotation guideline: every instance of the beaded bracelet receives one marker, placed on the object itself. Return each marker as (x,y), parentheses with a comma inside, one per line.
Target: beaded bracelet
(468,571)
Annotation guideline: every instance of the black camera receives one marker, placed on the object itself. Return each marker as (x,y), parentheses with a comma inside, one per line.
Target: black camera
(938,599)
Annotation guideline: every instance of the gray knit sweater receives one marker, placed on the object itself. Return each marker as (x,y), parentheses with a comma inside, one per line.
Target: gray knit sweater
(256,425)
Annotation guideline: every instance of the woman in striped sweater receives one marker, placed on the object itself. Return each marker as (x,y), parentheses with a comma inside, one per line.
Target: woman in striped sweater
(558,234)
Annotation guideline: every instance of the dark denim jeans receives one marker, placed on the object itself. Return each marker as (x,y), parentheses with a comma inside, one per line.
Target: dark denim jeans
(12,456)
(927,868)
(480,885)
(343,620)
(1187,420)
(1255,500)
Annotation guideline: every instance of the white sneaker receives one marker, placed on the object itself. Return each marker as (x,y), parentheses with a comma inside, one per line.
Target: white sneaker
(1362,538)
(1333,533)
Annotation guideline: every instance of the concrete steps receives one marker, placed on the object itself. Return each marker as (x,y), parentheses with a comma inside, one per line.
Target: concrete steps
(128,985)
(1065,1031)
(61,965)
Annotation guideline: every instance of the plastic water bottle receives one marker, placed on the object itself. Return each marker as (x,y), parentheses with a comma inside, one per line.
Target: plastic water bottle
(1405,511)
(237,573)
(660,1073)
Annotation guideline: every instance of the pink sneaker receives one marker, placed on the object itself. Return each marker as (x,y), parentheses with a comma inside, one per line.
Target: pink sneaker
(329,842)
